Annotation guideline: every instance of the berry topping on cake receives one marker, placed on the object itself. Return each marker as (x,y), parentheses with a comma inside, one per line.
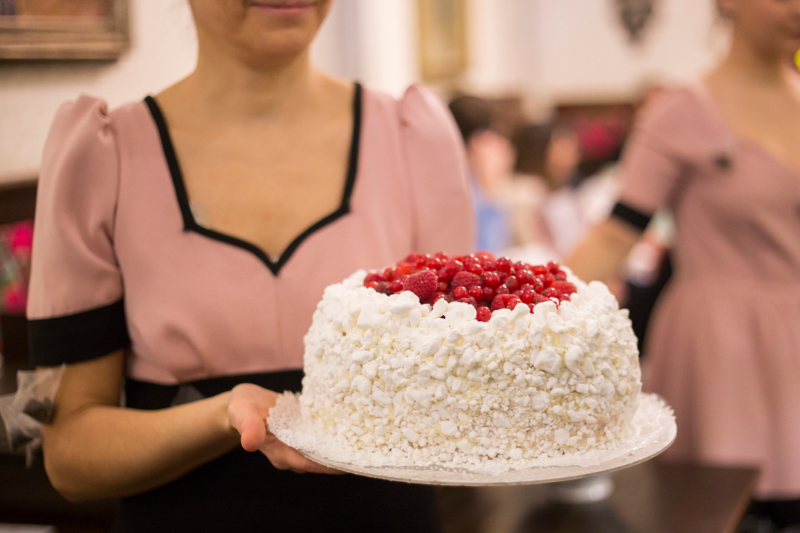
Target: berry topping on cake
(422,283)
(480,280)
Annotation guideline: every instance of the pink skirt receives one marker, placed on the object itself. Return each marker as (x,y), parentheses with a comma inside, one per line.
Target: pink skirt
(725,354)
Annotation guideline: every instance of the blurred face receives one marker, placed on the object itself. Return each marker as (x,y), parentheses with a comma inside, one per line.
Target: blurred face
(260,32)
(772,26)
(563,156)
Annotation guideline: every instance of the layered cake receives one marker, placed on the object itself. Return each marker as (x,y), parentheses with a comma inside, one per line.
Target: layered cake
(460,361)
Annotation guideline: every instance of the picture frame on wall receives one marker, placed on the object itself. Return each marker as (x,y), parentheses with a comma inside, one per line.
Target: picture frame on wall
(63,29)
(443,41)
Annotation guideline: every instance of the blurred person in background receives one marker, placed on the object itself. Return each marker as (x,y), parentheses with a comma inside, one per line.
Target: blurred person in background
(547,159)
(181,245)
(724,347)
(491,159)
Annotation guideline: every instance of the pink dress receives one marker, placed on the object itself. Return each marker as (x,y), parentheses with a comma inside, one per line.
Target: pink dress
(120,262)
(725,344)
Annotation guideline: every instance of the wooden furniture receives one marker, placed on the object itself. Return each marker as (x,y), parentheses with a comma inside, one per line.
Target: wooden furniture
(647,498)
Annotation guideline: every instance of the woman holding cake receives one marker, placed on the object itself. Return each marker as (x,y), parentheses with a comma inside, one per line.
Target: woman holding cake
(182,243)
(724,155)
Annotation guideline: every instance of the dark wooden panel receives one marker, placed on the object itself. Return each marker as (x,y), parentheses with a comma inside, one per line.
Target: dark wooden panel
(17,200)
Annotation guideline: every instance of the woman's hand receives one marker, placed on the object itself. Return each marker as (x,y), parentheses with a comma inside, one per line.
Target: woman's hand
(248,411)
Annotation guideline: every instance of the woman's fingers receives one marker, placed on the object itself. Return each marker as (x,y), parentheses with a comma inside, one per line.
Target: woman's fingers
(284,457)
(247,410)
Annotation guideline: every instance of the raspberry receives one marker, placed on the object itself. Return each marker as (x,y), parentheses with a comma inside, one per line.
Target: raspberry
(489,265)
(561,276)
(512,283)
(563,287)
(498,303)
(469,300)
(484,314)
(374,276)
(460,293)
(423,284)
(476,292)
(466,279)
(396,286)
(552,267)
(491,279)
(503,264)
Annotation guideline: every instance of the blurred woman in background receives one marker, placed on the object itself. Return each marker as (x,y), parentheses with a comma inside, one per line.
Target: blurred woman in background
(724,347)
(181,246)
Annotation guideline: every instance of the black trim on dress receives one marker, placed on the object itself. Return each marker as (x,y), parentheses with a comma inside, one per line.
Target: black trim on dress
(632,216)
(189,222)
(79,336)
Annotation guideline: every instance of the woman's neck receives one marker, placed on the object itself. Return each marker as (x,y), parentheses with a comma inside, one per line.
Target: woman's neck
(236,91)
(747,64)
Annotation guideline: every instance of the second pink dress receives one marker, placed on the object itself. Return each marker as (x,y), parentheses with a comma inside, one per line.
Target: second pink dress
(724,347)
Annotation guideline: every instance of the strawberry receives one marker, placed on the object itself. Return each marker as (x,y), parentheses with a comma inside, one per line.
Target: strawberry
(423,284)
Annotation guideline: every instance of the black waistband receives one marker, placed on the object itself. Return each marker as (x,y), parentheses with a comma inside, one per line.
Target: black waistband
(147,395)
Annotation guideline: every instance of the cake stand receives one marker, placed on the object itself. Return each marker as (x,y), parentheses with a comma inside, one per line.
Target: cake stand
(653,430)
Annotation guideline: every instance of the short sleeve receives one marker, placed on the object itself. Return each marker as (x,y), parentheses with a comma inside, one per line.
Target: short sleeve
(439,175)
(75,306)
(653,164)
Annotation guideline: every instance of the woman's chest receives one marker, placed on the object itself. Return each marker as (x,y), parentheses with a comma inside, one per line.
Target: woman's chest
(265,190)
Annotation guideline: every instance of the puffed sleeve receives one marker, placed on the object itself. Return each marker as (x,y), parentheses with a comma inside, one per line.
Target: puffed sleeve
(75,306)
(438,172)
(654,160)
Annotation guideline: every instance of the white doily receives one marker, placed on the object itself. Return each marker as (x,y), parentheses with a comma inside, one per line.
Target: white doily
(653,425)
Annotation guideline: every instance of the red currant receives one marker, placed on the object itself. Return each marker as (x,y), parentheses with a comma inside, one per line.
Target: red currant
(527,296)
(512,283)
(552,267)
(460,292)
(475,268)
(453,266)
(442,287)
(484,314)
(549,280)
(396,286)
(540,270)
(444,275)
(503,264)
(513,302)
(476,292)
(502,289)
(438,296)
(488,294)
(491,279)
(523,276)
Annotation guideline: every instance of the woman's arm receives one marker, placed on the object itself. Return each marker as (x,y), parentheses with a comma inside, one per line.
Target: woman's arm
(603,249)
(95,449)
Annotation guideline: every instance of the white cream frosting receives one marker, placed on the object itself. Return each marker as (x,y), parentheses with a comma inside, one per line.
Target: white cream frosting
(396,382)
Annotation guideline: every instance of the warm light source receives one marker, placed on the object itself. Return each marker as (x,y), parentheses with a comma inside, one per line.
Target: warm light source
(797,59)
